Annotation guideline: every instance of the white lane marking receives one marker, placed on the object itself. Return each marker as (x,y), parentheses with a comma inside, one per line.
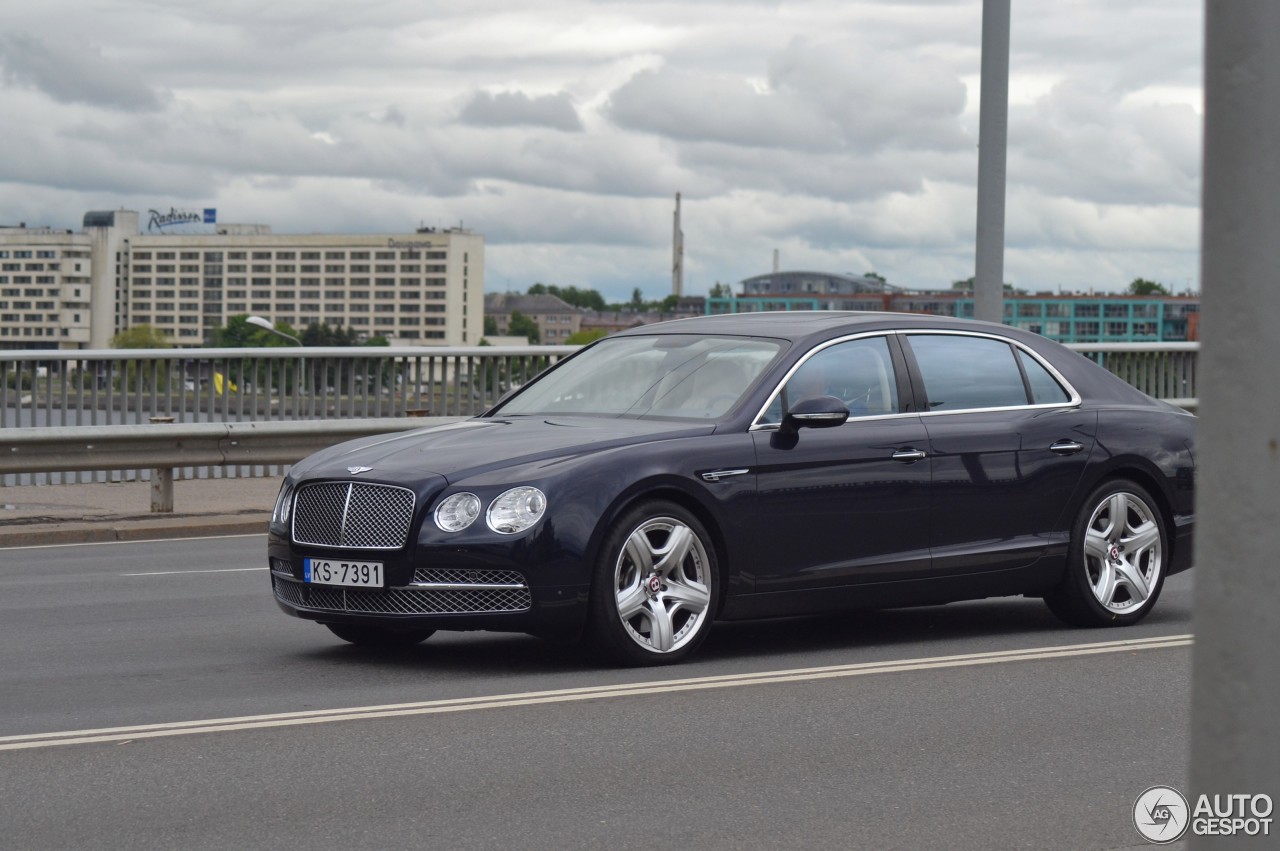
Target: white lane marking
(139,541)
(180,572)
(466,704)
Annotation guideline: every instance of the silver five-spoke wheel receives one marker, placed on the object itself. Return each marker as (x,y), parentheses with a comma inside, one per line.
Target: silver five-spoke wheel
(1122,552)
(656,586)
(1116,559)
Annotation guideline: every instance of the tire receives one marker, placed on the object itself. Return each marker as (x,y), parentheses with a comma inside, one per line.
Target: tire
(377,637)
(655,587)
(1115,564)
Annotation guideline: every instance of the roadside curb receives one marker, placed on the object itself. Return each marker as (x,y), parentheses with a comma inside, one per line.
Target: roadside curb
(132,529)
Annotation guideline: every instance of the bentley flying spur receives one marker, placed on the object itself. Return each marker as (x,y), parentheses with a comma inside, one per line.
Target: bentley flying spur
(749,466)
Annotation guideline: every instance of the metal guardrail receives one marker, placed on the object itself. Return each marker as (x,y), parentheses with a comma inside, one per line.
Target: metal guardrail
(164,448)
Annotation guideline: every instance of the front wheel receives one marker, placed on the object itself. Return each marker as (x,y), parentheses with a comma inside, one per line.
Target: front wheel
(1116,560)
(379,638)
(655,586)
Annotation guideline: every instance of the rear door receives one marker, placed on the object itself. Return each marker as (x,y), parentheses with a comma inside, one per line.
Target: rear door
(1008,443)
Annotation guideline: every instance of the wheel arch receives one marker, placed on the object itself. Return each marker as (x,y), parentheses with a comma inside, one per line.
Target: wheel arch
(1139,474)
(669,491)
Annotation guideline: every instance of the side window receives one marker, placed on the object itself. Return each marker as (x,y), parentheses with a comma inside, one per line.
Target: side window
(858,373)
(1045,390)
(967,372)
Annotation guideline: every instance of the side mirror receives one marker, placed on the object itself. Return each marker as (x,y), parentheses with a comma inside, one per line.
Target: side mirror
(814,412)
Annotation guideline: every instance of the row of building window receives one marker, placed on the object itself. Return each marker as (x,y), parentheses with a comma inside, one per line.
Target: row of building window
(288,282)
(217,256)
(263,269)
(362,294)
(23,253)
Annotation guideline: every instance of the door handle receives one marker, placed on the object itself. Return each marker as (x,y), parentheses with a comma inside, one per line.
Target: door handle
(1066,447)
(909,455)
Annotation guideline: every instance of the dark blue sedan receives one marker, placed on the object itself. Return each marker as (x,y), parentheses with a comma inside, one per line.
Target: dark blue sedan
(749,466)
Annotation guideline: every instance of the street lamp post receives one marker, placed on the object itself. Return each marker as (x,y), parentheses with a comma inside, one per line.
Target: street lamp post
(266,325)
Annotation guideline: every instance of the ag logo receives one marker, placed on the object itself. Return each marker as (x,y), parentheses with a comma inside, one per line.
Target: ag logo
(1161,815)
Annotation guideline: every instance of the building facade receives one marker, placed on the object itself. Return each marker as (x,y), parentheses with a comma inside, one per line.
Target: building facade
(60,289)
(557,320)
(1065,318)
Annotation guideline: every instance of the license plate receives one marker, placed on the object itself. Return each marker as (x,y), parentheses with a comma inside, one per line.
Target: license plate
(324,571)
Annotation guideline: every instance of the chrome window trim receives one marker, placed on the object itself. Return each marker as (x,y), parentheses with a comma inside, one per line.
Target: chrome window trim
(756,425)
(1073,402)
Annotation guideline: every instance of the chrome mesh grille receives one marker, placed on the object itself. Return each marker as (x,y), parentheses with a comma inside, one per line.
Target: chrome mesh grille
(357,515)
(472,577)
(404,601)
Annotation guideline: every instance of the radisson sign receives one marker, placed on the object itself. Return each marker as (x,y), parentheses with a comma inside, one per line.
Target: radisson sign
(175,217)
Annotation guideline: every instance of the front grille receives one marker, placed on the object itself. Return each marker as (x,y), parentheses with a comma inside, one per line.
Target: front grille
(356,515)
(455,576)
(472,599)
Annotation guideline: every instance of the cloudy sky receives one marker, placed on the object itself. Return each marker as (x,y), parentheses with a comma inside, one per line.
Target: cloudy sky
(841,133)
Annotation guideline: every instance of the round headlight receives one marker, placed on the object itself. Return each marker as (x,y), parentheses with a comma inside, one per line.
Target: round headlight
(516,510)
(458,512)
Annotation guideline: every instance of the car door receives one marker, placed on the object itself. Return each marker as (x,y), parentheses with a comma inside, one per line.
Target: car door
(846,504)
(1008,444)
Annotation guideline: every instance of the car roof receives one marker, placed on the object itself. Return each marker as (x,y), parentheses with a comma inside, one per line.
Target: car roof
(801,324)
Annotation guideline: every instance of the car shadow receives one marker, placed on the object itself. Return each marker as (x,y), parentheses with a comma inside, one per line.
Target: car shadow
(502,654)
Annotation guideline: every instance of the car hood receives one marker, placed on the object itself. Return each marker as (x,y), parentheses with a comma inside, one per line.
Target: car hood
(462,449)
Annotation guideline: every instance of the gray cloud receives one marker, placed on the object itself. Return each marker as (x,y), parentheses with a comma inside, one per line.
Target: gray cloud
(515,109)
(841,131)
(74,73)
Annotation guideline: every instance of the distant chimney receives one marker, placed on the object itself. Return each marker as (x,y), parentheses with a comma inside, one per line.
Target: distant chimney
(776,267)
(677,253)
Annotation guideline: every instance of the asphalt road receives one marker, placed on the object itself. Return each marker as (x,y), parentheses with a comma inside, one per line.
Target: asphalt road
(249,729)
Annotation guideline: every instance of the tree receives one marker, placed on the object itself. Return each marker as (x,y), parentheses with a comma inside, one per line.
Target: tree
(322,334)
(491,326)
(523,326)
(637,299)
(966,284)
(239,334)
(875,276)
(1141,286)
(719,290)
(141,337)
(585,297)
(583,337)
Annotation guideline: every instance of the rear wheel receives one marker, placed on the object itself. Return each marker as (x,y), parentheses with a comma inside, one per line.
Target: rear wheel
(1116,560)
(377,636)
(655,586)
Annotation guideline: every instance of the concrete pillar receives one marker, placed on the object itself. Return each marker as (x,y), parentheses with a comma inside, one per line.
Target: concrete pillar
(1235,744)
(993,137)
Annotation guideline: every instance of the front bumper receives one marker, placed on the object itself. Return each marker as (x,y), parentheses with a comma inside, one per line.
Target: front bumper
(457,593)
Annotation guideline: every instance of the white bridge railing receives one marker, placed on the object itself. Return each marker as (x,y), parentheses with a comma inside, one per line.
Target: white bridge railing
(44,395)
(1163,370)
(117,387)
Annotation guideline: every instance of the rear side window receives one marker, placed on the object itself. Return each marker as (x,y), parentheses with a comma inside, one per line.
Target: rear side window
(1045,390)
(967,372)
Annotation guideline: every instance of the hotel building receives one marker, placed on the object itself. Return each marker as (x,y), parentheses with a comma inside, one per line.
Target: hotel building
(185,275)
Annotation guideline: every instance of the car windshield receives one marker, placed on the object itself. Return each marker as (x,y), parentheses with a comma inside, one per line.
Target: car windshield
(667,375)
